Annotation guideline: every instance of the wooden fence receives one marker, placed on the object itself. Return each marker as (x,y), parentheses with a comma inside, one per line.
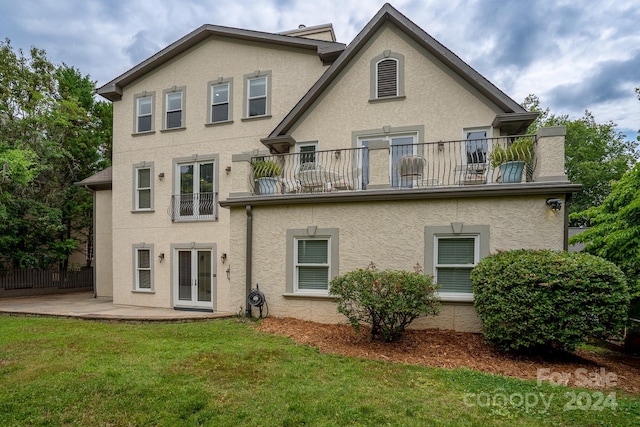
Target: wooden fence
(33,282)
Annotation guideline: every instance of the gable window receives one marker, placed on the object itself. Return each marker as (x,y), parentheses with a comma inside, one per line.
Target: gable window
(220,95)
(312,260)
(143,271)
(143,112)
(195,198)
(143,190)
(387,77)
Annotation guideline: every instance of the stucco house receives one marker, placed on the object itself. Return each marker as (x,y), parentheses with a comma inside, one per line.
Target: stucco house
(242,157)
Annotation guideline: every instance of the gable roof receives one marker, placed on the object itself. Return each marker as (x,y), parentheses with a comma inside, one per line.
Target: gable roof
(326,50)
(520,117)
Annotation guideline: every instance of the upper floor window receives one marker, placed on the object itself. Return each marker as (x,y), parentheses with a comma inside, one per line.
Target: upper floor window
(195,196)
(144,112)
(143,189)
(220,102)
(387,76)
(174,108)
(257,94)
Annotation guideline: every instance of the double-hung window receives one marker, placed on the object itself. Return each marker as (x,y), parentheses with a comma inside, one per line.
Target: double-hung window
(142,263)
(455,257)
(144,114)
(174,109)
(257,96)
(312,267)
(143,187)
(220,102)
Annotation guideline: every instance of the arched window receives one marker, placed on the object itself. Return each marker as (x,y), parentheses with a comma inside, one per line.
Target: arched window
(387,78)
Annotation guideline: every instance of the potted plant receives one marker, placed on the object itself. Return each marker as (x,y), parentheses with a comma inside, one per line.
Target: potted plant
(512,159)
(265,173)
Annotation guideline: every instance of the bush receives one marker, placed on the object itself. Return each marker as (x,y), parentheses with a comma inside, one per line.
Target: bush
(541,300)
(387,300)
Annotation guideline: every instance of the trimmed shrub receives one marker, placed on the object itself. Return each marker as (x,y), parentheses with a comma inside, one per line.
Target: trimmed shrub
(542,300)
(387,300)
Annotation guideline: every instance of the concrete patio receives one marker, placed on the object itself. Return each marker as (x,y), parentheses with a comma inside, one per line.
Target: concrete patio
(83,305)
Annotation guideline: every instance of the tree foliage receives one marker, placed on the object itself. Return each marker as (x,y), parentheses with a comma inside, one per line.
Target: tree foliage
(596,155)
(52,134)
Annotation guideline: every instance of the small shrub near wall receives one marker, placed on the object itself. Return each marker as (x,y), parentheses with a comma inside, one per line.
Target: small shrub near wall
(388,300)
(542,300)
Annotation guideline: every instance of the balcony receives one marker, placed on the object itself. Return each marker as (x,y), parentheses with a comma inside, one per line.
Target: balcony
(441,164)
(193,207)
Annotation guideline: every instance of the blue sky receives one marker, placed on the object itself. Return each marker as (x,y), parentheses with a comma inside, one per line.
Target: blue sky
(573,54)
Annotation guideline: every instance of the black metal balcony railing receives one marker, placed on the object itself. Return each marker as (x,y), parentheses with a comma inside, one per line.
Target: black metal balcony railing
(193,207)
(431,164)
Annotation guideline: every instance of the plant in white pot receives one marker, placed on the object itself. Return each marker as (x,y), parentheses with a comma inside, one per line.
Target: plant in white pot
(265,173)
(511,160)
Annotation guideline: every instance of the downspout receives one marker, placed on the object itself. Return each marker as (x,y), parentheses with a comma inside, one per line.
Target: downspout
(93,246)
(249,258)
(567,202)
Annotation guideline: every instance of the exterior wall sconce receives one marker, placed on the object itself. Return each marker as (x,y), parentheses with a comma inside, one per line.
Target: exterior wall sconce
(228,271)
(161,257)
(227,169)
(554,204)
(223,257)
(161,176)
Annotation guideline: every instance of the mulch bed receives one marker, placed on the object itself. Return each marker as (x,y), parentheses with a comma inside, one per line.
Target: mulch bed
(451,350)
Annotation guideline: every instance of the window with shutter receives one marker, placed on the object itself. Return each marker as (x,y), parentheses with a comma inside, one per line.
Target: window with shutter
(312,265)
(387,78)
(455,258)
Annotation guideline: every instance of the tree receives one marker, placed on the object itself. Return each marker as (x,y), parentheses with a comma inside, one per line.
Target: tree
(595,155)
(615,228)
(52,134)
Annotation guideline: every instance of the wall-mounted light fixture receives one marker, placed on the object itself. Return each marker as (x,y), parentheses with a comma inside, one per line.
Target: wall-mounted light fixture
(227,169)
(554,204)
(161,176)
(223,257)
(161,257)
(228,271)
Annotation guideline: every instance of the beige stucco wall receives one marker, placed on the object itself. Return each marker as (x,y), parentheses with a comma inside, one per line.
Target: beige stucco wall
(292,73)
(435,98)
(390,234)
(103,265)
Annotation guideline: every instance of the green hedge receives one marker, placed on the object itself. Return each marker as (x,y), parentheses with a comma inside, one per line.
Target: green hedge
(388,300)
(532,300)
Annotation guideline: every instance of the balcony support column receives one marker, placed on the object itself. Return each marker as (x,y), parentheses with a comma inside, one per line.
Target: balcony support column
(379,165)
(550,154)
(241,175)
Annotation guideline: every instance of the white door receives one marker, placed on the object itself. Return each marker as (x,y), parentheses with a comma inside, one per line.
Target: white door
(194,279)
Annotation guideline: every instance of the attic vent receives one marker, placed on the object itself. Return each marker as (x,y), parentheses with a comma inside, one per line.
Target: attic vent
(387,78)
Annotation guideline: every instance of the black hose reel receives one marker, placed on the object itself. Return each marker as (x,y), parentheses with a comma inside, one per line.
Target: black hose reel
(257,299)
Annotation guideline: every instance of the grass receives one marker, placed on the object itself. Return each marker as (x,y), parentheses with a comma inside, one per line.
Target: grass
(225,373)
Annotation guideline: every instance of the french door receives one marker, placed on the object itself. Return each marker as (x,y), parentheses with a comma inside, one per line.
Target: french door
(401,145)
(194,278)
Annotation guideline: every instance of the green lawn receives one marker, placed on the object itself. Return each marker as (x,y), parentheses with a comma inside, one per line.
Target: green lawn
(224,373)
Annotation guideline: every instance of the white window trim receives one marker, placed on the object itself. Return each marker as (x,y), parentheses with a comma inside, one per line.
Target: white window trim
(168,110)
(298,151)
(196,161)
(137,115)
(252,98)
(136,188)
(136,269)
(212,84)
(455,296)
(296,265)
(378,78)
